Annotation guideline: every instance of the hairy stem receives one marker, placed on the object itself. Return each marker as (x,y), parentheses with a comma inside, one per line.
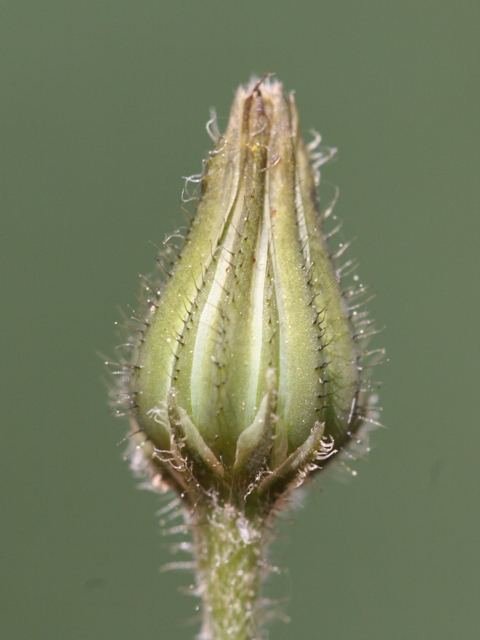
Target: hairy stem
(230,564)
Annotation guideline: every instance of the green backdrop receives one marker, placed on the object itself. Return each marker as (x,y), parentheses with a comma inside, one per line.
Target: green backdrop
(103,108)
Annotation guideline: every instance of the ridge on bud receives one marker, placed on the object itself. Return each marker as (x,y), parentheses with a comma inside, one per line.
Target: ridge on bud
(246,373)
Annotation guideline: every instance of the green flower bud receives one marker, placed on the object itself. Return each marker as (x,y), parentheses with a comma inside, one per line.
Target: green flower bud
(247,371)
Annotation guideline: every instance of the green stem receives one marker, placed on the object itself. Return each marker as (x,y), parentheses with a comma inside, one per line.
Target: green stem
(230,565)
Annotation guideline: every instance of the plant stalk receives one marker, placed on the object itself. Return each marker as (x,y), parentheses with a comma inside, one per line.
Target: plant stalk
(229,549)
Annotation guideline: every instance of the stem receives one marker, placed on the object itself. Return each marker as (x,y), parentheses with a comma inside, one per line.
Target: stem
(230,564)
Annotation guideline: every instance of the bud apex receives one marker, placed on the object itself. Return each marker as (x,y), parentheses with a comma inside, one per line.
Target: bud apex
(247,373)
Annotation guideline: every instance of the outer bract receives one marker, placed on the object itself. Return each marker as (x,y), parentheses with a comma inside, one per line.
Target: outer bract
(247,373)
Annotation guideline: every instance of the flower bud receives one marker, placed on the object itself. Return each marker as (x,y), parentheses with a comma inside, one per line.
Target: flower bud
(247,372)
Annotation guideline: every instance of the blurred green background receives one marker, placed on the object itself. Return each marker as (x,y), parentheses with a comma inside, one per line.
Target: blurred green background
(103,109)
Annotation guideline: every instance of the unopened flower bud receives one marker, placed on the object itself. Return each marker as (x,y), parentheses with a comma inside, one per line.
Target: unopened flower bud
(247,374)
